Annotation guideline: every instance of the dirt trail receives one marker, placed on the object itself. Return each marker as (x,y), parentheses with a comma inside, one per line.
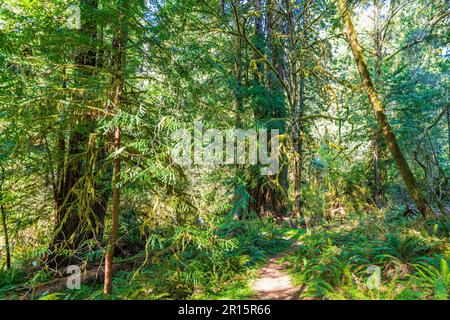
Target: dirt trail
(274,283)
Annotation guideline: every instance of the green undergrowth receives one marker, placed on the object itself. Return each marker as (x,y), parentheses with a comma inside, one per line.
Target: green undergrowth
(339,260)
(202,264)
(335,260)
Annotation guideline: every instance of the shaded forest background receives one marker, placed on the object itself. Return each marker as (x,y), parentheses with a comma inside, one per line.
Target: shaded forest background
(357,89)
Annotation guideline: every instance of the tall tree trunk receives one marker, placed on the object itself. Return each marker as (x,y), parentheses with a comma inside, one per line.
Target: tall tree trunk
(377,141)
(117,92)
(70,230)
(274,195)
(237,90)
(115,217)
(255,191)
(298,165)
(269,196)
(297,87)
(402,164)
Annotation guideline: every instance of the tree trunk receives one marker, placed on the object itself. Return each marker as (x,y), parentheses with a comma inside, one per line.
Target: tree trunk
(297,87)
(376,171)
(5,231)
(117,92)
(274,196)
(402,164)
(268,195)
(115,218)
(237,90)
(298,165)
(5,226)
(70,230)
(377,39)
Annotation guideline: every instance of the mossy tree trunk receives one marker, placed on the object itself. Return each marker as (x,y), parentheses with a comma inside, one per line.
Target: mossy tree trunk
(402,164)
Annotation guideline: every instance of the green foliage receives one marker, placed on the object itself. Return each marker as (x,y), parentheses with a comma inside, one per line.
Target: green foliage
(403,249)
(334,263)
(433,277)
(186,60)
(10,280)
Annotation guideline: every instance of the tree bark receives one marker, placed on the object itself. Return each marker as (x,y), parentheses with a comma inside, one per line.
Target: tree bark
(115,218)
(117,92)
(376,170)
(378,56)
(70,230)
(5,231)
(237,90)
(299,145)
(402,164)
(4,222)
(274,196)
(297,87)
(268,196)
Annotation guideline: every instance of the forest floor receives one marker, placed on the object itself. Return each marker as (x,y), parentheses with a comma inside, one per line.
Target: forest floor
(273,282)
(281,263)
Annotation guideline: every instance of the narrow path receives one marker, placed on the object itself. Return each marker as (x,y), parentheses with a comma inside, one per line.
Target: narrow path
(274,283)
